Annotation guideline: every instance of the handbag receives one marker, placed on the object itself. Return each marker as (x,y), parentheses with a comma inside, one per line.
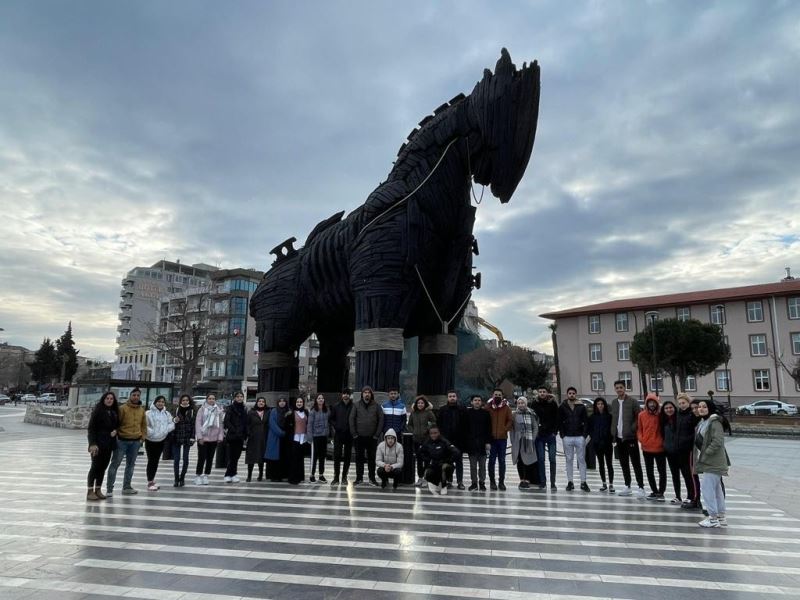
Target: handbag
(166,454)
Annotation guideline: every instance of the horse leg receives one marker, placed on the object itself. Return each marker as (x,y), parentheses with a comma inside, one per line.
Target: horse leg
(333,364)
(437,366)
(378,341)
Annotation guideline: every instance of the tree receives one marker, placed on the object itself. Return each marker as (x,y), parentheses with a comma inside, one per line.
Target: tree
(682,348)
(66,355)
(487,367)
(45,366)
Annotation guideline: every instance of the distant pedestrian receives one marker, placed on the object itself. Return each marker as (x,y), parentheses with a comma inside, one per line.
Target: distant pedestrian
(601,443)
(624,413)
(159,425)
(389,460)
(421,420)
(366,425)
(452,422)
(573,428)
(546,409)
(501,417)
(209,432)
(102,434)
(182,438)
(438,455)
(319,430)
(296,427)
(342,438)
(711,462)
(477,442)
(257,423)
(524,428)
(278,443)
(648,432)
(235,424)
(130,436)
(394,413)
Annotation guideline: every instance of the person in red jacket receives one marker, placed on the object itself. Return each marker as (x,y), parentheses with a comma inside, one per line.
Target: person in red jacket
(648,432)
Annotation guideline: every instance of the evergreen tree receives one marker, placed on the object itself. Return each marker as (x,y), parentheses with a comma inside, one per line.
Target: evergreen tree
(45,366)
(66,355)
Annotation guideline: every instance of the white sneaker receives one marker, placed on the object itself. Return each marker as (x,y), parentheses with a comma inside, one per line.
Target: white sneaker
(444,490)
(228,479)
(709,522)
(205,479)
(723,520)
(420,482)
(640,493)
(198,480)
(235,479)
(626,491)
(152,487)
(432,488)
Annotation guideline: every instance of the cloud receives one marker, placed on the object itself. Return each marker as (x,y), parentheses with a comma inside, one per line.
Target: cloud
(665,157)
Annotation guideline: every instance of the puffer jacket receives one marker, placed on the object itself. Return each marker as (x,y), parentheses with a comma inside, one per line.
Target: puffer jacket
(159,424)
(389,455)
(394,416)
(420,421)
(318,424)
(366,419)
(103,421)
(215,433)
(235,422)
(184,428)
(648,431)
(501,417)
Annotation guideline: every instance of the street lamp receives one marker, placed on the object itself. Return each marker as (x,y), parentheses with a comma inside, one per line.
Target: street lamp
(652,315)
(723,318)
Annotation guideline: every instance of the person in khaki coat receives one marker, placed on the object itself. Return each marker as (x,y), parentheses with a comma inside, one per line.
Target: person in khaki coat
(502,419)
(130,436)
(711,462)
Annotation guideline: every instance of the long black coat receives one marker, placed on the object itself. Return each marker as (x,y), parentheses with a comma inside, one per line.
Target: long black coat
(102,422)
(256,436)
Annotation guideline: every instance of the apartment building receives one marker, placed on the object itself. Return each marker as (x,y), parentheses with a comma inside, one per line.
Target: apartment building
(761,324)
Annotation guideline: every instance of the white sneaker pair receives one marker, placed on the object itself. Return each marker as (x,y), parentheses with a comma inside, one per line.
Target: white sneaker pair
(205,479)
(433,489)
(626,491)
(153,487)
(198,480)
(710,522)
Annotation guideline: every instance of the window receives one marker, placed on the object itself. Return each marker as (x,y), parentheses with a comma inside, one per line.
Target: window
(683,313)
(301,370)
(236,326)
(627,378)
(718,314)
(755,312)
(239,306)
(595,353)
(657,383)
(651,316)
(793,305)
(795,343)
(722,378)
(690,383)
(235,367)
(623,350)
(758,345)
(236,346)
(622,321)
(594,324)
(220,307)
(597,382)
(761,380)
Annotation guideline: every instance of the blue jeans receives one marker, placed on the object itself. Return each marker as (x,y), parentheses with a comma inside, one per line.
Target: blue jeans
(128,450)
(180,473)
(548,441)
(497,452)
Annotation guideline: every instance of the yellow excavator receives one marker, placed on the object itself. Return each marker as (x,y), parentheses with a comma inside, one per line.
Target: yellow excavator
(501,341)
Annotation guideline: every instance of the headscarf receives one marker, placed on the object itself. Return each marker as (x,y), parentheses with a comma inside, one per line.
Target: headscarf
(210,417)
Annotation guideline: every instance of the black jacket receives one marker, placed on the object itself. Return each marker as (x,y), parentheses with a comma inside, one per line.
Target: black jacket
(439,452)
(339,418)
(184,429)
(235,422)
(685,423)
(478,430)
(548,417)
(103,421)
(572,422)
(599,429)
(452,421)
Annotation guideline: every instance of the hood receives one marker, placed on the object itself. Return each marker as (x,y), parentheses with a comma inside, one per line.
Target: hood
(390,432)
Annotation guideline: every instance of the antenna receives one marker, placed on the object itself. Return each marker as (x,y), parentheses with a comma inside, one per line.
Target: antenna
(788,274)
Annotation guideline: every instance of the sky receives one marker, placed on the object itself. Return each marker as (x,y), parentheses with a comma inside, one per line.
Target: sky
(666,156)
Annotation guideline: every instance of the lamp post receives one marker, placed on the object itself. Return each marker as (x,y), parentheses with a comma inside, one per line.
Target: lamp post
(723,318)
(652,315)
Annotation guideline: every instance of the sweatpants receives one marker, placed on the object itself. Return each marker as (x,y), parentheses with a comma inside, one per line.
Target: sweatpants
(575,445)
(712,494)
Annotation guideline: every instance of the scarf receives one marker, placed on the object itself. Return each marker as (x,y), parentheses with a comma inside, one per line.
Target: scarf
(210,418)
(526,433)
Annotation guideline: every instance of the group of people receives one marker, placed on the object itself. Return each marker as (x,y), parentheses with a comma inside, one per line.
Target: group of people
(687,436)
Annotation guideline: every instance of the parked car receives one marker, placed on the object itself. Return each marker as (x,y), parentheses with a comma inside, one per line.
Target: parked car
(588,403)
(198,400)
(4,399)
(48,398)
(768,407)
(28,398)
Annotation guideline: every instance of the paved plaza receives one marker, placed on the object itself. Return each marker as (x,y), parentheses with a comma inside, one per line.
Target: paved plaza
(265,540)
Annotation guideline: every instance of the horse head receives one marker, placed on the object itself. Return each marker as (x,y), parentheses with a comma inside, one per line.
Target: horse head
(504,108)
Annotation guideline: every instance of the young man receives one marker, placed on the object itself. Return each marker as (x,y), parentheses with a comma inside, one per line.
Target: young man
(477,442)
(394,413)
(389,460)
(546,409)
(366,425)
(339,419)
(453,426)
(624,415)
(501,418)
(438,454)
(130,435)
(572,427)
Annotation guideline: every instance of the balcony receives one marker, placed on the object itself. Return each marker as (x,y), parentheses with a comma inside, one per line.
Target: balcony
(124,328)
(126,305)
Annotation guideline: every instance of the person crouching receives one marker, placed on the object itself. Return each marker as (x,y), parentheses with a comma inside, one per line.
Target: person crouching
(438,455)
(389,460)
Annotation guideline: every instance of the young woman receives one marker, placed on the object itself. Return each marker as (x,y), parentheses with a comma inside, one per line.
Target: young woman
(277,448)
(601,442)
(235,425)
(319,431)
(697,504)
(524,429)
(102,434)
(182,438)
(675,433)
(257,422)
(685,422)
(209,432)
(648,432)
(420,421)
(711,462)
(159,426)
(296,427)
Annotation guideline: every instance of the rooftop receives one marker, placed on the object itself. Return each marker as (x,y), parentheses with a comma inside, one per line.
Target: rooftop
(785,287)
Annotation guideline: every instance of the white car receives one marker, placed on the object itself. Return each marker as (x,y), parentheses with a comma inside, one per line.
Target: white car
(4,399)
(28,398)
(768,407)
(48,398)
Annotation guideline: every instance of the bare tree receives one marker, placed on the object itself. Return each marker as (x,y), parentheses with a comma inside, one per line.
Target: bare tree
(182,335)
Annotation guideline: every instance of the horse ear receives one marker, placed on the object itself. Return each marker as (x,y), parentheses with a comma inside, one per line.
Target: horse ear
(504,65)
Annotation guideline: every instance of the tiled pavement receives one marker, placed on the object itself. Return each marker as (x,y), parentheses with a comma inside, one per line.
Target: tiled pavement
(264,540)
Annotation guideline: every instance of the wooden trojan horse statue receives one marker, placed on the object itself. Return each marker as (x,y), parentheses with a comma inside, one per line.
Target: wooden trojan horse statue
(401,264)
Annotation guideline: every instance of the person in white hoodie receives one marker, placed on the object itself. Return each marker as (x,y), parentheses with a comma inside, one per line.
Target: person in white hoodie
(159,425)
(389,459)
